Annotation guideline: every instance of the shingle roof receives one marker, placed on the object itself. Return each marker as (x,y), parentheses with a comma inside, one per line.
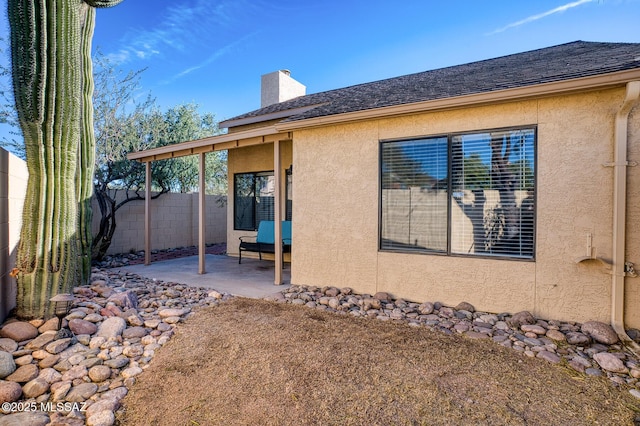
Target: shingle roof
(551,64)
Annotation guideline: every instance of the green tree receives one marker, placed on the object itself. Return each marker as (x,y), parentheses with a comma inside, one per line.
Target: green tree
(124,124)
(52,86)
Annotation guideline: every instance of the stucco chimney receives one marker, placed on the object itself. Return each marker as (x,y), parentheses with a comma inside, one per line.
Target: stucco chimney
(278,87)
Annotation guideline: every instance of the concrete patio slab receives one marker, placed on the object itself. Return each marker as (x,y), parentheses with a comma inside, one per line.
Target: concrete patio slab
(253,278)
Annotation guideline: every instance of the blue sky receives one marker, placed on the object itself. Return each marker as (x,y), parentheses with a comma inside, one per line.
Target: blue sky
(213,52)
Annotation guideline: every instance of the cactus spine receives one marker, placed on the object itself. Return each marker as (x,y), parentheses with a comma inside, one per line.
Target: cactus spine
(53,86)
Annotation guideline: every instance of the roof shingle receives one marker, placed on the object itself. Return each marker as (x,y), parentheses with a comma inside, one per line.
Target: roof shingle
(557,63)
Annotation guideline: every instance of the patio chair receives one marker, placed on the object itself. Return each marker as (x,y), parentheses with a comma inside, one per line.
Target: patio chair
(264,241)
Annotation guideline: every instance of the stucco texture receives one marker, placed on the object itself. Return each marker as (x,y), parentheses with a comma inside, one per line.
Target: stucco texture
(255,158)
(336,209)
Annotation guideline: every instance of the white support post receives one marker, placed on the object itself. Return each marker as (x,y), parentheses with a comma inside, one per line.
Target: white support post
(201,217)
(277,212)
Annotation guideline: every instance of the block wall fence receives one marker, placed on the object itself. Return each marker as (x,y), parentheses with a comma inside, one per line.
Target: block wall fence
(174,223)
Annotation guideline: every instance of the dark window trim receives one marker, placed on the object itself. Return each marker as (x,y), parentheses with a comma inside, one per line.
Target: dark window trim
(255,174)
(450,135)
(235,180)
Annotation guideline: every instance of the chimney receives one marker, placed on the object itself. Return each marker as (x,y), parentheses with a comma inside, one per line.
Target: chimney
(278,87)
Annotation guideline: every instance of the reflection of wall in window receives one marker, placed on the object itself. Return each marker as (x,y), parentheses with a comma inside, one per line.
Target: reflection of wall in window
(478,224)
(267,186)
(417,219)
(414,218)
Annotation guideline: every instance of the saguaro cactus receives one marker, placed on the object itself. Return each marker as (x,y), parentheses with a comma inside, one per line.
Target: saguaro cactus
(52,82)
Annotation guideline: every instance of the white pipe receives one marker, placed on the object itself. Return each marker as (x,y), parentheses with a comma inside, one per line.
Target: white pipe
(619,213)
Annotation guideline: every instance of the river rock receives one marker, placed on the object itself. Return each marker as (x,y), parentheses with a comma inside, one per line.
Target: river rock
(382,296)
(217,295)
(101,287)
(556,335)
(126,299)
(75,372)
(171,312)
(42,340)
(111,327)
(371,303)
(81,392)
(577,338)
(533,328)
(49,361)
(549,356)
(610,362)
(8,345)
(59,390)
(81,326)
(35,388)
(7,364)
(465,306)
(50,375)
(58,346)
(131,372)
(426,308)
(31,418)
(332,292)
(101,418)
(99,373)
(600,332)
(19,331)
(521,318)
(133,332)
(9,391)
(24,374)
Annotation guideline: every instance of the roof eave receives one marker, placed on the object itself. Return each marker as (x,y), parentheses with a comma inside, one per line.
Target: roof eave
(266,117)
(213,143)
(539,90)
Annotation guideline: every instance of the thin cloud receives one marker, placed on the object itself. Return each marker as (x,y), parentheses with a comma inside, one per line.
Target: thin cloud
(181,27)
(217,54)
(532,18)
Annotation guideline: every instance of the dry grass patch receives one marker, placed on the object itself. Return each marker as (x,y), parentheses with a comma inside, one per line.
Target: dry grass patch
(249,362)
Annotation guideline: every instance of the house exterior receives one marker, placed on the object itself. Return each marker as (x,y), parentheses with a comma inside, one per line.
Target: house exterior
(510,183)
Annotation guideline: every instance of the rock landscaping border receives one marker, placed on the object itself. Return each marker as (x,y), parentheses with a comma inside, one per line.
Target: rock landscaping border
(78,375)
(592,348)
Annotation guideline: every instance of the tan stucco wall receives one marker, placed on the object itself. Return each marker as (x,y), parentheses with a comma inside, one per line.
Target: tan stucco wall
(256,158)
(335,211)
(13,187)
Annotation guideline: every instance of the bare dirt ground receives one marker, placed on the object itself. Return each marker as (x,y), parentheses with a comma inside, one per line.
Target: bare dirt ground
(252,362)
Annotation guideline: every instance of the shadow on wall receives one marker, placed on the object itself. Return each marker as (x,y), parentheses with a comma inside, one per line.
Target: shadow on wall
(174,222)
(13,187)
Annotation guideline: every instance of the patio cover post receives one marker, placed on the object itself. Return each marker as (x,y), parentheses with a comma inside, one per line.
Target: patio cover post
(277,212)
(147,214)
(201,216)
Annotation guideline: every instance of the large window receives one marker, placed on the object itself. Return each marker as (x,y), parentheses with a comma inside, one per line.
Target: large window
(469,193)
(254,195)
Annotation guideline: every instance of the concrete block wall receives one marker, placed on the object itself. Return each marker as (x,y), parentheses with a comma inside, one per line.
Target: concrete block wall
(174,222)
(13,187)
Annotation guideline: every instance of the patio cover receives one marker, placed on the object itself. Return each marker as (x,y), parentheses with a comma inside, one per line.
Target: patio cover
(200,147)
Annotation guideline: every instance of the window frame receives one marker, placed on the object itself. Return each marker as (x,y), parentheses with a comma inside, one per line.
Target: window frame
(256,174)
(448,252)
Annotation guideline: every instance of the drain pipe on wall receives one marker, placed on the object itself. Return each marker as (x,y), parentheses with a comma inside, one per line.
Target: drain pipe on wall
(620,270)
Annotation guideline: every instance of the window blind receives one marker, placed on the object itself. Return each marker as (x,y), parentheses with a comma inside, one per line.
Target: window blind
(462,194)
(414,195)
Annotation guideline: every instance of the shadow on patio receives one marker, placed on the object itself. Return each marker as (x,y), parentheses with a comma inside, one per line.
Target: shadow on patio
(253,278)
